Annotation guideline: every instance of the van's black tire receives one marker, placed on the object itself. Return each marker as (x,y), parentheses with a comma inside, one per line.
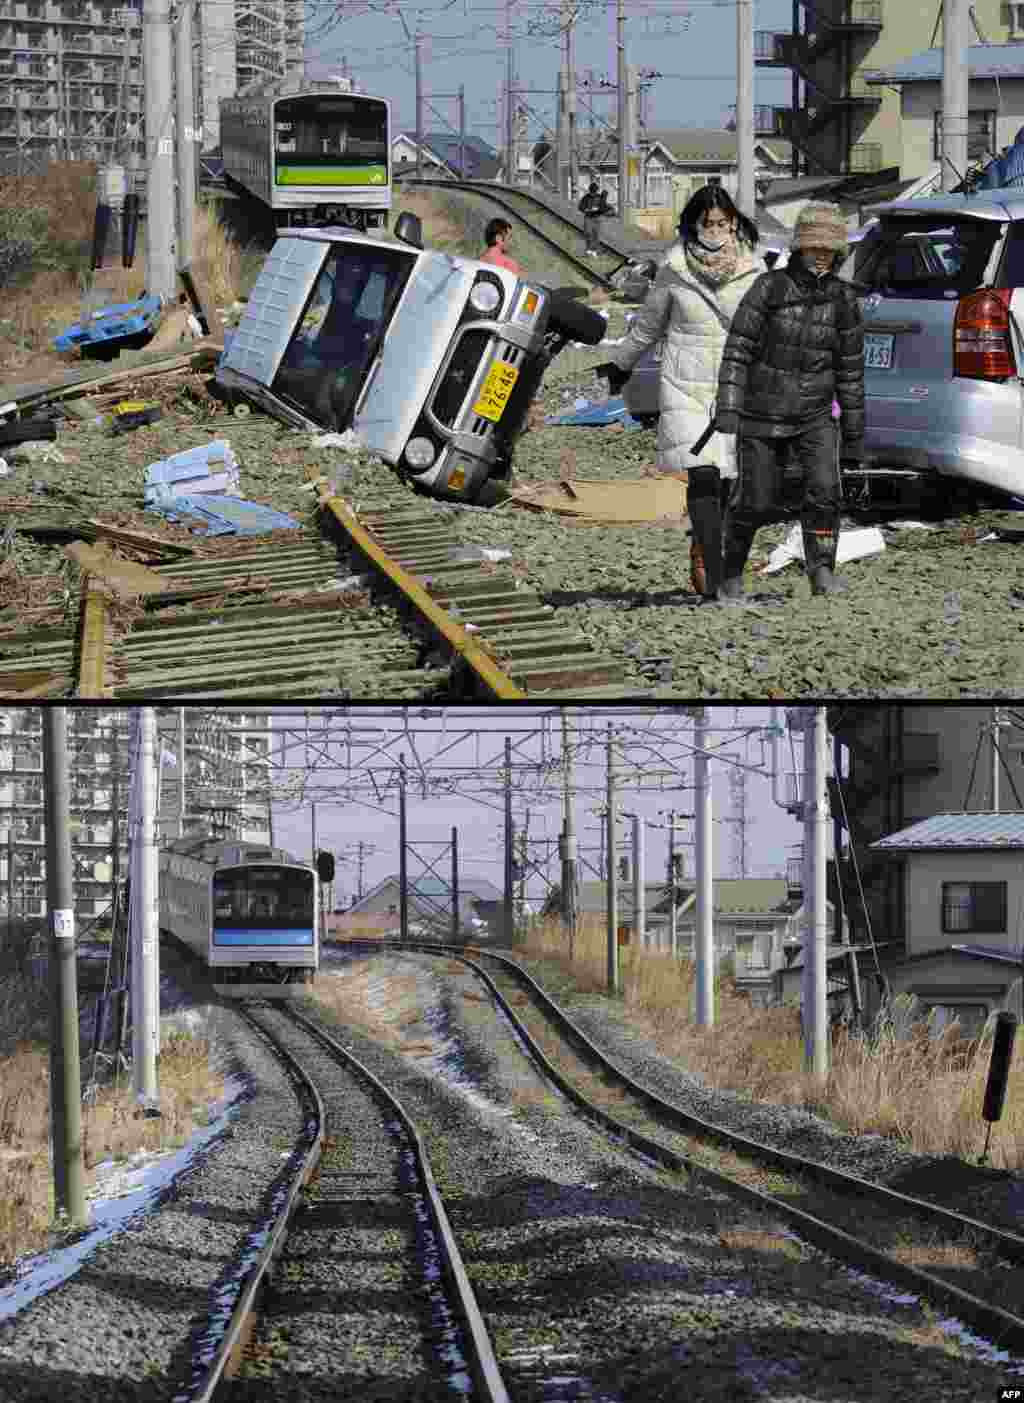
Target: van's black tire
(576,321)
(26,431)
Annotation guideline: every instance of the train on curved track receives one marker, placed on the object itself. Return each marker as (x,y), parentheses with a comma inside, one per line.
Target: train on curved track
(313,154)
(249,913)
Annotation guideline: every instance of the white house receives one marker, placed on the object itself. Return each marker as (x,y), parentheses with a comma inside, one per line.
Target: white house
(963,898)
(995,101)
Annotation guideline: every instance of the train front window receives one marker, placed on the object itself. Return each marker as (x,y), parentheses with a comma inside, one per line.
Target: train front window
(326,140)
(341,330)
(263,905)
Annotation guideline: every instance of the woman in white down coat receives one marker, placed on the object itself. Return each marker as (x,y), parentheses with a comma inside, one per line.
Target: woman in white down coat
(701,282)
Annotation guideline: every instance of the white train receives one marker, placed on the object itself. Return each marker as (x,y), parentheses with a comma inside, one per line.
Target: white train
(249,913)
(313,154)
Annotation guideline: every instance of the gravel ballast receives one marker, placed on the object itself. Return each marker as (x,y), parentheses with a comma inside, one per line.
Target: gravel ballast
(591,1267)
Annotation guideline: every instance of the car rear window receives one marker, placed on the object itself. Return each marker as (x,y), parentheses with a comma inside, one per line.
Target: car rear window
(937,260)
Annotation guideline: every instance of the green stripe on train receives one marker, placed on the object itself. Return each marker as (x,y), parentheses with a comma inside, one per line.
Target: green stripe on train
(332,175)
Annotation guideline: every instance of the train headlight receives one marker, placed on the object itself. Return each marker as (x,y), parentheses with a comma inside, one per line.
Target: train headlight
(485,298)
(420,453)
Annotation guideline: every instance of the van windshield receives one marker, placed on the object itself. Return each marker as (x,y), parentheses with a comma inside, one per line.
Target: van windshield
(341,331)
(938,259)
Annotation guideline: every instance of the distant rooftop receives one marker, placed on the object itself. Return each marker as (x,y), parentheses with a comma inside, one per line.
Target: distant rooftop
(959,830)
(983,61)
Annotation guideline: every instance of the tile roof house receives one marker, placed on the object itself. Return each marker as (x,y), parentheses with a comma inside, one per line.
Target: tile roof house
(963,898)
(441,156)
(430,901)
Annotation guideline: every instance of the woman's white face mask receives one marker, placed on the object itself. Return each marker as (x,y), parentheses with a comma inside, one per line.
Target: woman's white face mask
(714,231)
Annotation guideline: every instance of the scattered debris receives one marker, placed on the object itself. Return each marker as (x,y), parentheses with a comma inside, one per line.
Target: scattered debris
(621,502)
(210,467)
(348,442)
(471,553)
(854,544)
(122,575)
(597,414)
(223,515)
(113,324)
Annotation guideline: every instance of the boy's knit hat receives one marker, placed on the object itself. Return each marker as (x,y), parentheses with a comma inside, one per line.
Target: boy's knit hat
(820,225)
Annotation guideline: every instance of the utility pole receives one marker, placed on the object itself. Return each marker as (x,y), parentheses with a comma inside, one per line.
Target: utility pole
(639,911)
(705,950)
(613,871)
(145,954)
(745,107)
(997,724)
(954,92)
(815,820)
(568,852)
(185,119)
(65,1072)
(156,71)
(403,882)
(10,868)
(181,772)
(673,939)
(623,107)
(455,886)
(570,108)
(312,839)
(462,131)
(419,101)
(510,172)
(509,894)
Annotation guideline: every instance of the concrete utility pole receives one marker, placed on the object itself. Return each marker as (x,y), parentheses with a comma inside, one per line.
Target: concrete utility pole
(613,871)
(161,279)
(65,1072)
(568,851)
(997,724)
(145,953)
(622,118)
(510,169)
(673,936)
(745,107)
(419,102)
(509,894)
(462,130)
(403,875)
(954,92)
(185,133)
(455,885)
(705,950)
(10,868)
(811,720)
(639,911)
(181,772)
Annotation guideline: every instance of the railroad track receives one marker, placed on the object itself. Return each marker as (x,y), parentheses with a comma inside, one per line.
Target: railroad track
(275,619)
(529,208)
(771,1179)
(368,1191)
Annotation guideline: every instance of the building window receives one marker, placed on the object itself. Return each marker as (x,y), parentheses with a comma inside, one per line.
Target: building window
(978,907)
(981,135)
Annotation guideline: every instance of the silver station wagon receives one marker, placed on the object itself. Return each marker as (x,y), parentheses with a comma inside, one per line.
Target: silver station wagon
(942,281)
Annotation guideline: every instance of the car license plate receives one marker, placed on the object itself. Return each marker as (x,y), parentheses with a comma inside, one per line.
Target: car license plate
(495,391)
(877,351)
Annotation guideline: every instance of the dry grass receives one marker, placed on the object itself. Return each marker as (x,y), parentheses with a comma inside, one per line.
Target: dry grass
(902,1082)
(109,1130)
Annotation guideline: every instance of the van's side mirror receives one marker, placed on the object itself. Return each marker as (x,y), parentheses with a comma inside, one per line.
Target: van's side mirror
(409,229)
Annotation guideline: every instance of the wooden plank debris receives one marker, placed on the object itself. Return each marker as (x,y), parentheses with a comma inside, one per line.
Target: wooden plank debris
(124,576)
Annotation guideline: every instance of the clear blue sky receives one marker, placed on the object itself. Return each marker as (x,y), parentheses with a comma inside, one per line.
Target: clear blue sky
(693,45)
(772,834)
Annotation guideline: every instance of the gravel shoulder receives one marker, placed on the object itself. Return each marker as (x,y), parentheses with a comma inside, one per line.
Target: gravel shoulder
(601,1277)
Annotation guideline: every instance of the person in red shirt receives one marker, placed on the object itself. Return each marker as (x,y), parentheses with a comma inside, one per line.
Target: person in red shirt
(497,235)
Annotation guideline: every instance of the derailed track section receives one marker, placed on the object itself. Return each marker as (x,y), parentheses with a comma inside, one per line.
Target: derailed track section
(881,1216)
(375,605)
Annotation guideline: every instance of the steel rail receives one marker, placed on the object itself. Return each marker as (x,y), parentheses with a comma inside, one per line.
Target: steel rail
(498,196)
(482,1361)
(228,1353)
(1002,1326)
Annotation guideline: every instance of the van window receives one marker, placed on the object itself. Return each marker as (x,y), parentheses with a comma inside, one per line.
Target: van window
(936,260)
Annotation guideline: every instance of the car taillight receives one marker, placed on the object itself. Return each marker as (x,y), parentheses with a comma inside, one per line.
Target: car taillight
(982,348)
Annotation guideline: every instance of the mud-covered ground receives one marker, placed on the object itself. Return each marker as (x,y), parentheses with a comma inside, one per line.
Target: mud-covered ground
(940,613)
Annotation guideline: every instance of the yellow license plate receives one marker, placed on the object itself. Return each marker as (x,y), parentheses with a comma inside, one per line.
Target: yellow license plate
(495,391)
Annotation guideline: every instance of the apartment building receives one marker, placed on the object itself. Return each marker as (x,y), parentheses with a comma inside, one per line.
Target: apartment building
(903,764)
(226,769)
(839,122)
(71,70)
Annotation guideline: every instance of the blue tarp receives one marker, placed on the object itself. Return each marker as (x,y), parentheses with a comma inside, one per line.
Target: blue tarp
(598,414)
(226,515)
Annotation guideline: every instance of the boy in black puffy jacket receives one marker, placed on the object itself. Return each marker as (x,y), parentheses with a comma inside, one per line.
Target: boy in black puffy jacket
(796,343)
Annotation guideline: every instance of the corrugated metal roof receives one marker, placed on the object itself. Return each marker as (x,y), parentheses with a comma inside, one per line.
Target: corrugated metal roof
(961,830)
(983,61)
